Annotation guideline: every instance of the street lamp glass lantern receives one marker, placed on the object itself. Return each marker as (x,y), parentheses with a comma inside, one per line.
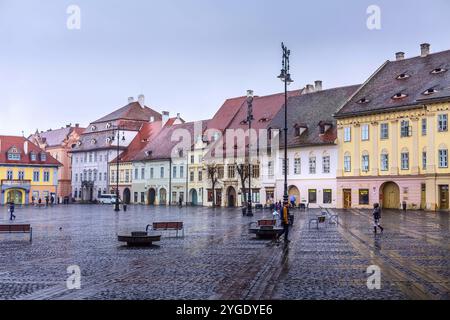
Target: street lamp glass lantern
(250,94)
(288,79)
(282,75)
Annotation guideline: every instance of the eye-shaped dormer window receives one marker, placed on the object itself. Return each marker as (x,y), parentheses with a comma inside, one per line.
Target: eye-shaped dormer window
(430,91)
(399,96)
(363,100)
(438,70)
(403,76)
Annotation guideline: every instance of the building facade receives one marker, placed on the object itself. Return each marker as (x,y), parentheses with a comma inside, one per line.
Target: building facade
(59,144)
(312,149)
(393,136)
(28,173)
(100,144)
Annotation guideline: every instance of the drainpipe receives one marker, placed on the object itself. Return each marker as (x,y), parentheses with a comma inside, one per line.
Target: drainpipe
(187,179)
(170,181)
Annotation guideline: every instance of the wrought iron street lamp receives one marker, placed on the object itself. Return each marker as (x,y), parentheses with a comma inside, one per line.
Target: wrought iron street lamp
(249,120)
(285,76)
(118,128)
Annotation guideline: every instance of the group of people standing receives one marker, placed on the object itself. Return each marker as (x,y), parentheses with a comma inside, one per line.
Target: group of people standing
(48,200)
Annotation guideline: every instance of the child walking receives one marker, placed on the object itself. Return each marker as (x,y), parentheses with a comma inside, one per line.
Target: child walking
(376,218)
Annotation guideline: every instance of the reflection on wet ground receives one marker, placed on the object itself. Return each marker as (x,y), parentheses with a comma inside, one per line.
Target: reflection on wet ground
(218,259)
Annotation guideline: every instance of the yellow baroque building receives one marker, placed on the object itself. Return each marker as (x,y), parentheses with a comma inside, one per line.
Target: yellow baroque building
(393,136)
(27,172)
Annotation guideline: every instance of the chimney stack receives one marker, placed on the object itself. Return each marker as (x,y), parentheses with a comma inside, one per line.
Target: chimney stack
(141,100)
(178,116)
(25,147)
(318,85)
(77,125)
(130,100)
(399,56)
(309,88)
(165,117)
(425,49)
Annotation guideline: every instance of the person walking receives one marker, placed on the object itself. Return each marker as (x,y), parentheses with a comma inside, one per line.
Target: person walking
(376,218)
(46,201)
(285,223)
(11,211)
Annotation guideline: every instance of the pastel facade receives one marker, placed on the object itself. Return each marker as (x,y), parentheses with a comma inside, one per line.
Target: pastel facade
(59,143)
(393,136)
(312,148)
(27,172)
(97,147)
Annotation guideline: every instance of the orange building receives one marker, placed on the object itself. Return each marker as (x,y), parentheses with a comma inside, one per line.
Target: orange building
(58,143)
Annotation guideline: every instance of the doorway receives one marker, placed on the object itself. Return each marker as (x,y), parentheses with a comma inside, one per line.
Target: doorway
(231,196)
(390,195)
(443,197)
(347,198)
(151,197)
(194,197)
(15,196)
(126,196)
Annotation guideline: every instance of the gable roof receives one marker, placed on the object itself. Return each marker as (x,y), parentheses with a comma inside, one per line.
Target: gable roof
(55,138)
(310,111)
(8,142)
(132,111)
(162,147)
(148,132)
(383,85)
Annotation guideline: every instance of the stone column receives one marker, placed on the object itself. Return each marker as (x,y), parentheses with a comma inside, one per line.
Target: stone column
(356,161)
(414,152)
(394,134)
(376,160)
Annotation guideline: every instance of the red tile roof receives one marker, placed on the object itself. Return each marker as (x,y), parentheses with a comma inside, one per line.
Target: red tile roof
(147,133)
(8,142)
(132,111)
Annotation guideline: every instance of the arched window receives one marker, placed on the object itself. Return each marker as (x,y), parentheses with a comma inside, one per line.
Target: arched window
(384,160)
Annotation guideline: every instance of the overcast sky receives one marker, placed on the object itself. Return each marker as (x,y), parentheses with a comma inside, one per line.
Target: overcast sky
(188,56)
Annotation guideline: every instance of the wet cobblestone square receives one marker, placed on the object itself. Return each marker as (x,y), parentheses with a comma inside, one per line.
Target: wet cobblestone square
(219,259)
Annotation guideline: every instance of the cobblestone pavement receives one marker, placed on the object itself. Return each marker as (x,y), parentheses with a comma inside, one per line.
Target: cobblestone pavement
(218,259)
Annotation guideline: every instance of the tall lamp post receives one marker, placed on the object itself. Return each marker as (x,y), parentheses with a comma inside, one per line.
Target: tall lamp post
(285,76)
(249,120)
(117,206)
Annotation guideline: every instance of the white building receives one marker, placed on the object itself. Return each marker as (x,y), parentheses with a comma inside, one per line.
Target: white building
(97,146)
(312,150)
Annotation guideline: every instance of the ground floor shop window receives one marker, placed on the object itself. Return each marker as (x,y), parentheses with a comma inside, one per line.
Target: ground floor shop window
(256,197)
(363,196)
(210,195)
(135,197)
(312,196)
(327,193)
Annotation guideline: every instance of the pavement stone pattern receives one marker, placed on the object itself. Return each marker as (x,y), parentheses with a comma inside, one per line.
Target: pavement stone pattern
(219,259)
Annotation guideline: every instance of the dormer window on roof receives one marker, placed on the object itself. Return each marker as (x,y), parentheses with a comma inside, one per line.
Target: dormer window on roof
(93,141)
(363,100)
(93,128)
(43,156)
(14,154)
(33,156)
(108,125)
(399,96)
(438,70)
(79,143)
(430,91)
(403,76)
(324,127)
(264,120)
(299,129)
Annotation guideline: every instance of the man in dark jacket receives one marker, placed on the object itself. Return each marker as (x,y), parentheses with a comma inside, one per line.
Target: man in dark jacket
(11,211)
(376,218)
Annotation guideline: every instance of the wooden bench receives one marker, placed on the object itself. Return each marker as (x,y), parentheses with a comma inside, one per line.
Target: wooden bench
(265,229)
(17,228)
(167,226)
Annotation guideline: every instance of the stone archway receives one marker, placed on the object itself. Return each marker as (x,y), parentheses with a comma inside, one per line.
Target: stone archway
(193,196)
(390,195)
(293,191)
(151,197)
(126,196)
(16,196)
(231,197)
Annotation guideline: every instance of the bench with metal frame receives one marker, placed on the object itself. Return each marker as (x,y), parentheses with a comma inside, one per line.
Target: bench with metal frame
(265,229)
(318,220)
(167,226)
(332,218)
(17,228)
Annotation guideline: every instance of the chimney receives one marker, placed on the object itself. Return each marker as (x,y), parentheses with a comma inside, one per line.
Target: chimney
(165,117)
(141,100)
(178,116)
(77,125)
(318,85)
(130,100)
(425,49)
(309,88)
(399,56)
(25,147)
